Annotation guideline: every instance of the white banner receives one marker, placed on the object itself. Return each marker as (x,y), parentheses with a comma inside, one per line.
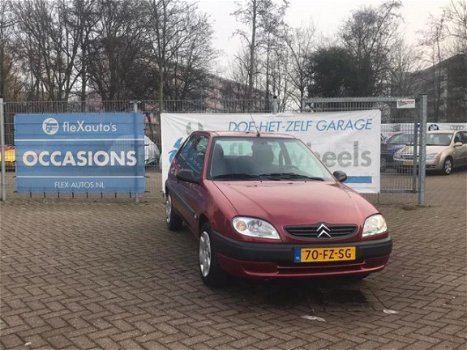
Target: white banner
(348,141)
(388,129)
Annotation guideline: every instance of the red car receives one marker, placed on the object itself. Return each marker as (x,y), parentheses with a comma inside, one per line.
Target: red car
(264,206)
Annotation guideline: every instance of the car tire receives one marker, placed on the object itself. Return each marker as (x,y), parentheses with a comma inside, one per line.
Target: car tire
(448,165)
(383,164)
(210,271)
(173,220)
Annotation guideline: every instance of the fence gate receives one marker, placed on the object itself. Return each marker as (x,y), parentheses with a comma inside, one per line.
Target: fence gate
(402,124)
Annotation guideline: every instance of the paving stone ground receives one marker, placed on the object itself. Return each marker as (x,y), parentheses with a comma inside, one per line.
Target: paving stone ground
(99,274)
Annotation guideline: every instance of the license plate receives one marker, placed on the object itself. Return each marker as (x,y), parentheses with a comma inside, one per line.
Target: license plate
(325,254)
(407,163)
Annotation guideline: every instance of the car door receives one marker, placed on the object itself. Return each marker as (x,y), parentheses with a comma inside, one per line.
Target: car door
(463,148)
(459,152)
(190,164)
(174,185)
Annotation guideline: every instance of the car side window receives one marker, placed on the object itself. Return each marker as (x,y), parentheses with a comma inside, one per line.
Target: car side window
(463,136)
(191,156)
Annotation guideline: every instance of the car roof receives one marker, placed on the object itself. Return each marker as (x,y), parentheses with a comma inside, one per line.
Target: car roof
(251,134)
(442,131)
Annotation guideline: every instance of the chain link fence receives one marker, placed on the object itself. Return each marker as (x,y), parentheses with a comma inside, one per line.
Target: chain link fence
(151,111)
(399,128)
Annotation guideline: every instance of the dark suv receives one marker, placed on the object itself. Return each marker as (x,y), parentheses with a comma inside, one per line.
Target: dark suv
(391,145)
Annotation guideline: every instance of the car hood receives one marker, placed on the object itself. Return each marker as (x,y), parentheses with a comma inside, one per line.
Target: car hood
(296,202)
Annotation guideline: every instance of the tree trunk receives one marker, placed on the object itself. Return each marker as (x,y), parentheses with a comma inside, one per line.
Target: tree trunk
(252,56)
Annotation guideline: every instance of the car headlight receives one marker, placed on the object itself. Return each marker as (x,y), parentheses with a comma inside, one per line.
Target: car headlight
(431,156)
(374,225)
(254,227)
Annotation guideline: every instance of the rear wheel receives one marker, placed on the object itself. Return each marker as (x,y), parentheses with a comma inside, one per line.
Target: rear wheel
(447,166)
(174,222)
(210,271)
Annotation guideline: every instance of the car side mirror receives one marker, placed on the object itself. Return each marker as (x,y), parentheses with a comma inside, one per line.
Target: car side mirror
(340,175)
(458,144)
(187,175)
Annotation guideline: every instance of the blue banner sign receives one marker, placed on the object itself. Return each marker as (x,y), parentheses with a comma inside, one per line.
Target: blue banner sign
(80,152)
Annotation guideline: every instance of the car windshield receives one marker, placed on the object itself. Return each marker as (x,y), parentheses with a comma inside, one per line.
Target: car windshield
(235,158)
(401,139)
(439,139)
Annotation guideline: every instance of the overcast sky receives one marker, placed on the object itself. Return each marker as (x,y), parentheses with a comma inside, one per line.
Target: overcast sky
(327,16)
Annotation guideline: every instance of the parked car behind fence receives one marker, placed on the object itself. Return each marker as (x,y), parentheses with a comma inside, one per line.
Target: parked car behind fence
(445,150)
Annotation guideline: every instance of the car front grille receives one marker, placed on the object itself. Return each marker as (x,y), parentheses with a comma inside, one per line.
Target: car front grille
(313,231)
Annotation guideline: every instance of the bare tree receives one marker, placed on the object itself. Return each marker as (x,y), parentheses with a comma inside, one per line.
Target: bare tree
(117,52)
(444,37)
(405,60)
(370,35)
(86,19)
(47,43)
(240,74)
(279,72)
(187,73)
(181,38)
(300,42)
(456,25)
(10,84)
(263,18)
(435,47)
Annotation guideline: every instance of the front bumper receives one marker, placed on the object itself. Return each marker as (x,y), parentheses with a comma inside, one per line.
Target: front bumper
(429,165)
(268,260)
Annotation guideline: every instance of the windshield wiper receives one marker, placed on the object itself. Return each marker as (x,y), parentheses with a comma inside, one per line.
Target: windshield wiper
(236,176)
(289,176)
(269,176)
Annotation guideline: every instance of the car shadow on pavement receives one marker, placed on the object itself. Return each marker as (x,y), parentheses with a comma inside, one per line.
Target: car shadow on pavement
(317,294)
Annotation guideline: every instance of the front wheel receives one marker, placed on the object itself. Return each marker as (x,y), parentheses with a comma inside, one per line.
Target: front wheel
(447,166)
(210,271)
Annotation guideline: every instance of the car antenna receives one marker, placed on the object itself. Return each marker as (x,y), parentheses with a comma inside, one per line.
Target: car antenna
(254,123)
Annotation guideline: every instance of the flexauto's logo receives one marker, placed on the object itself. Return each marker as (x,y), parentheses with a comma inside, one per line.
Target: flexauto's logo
(82,127)
(50,126)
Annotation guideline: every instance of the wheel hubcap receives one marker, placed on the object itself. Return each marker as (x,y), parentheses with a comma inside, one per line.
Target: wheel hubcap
(168,209)
(448,166)
(204,254)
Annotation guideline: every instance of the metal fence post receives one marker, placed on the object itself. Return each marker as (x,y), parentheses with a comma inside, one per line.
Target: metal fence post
(422,157)
(135,109)
(2,141)
(416,160)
